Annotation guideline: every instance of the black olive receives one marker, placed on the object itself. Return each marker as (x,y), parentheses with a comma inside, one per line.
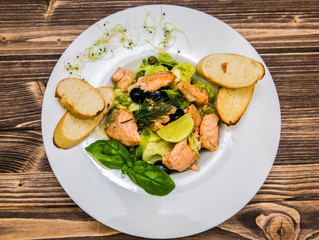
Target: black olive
(156,95)
(163,167)
(152,60)
(164,96)
(137,95)
(179,112)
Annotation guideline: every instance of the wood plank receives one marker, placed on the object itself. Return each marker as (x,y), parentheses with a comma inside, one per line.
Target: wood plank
(51,228)
(295,24)
(254,221)
(22,151)
(288,182)
(37,202)
(54,39)
(21,104)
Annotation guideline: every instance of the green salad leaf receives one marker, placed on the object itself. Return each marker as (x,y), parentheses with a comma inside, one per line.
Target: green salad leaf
(166,60)
(121,99)
(148,69)
(186,71)
(152,147)
(154,69)
(112,154)
(194,143)
(141,71)
(151,178)
(177,97)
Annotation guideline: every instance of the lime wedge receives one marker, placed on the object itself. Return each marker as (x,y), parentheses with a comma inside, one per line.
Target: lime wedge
(178,130)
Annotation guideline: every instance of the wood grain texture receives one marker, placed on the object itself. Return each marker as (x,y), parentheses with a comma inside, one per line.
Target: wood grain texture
(34,34)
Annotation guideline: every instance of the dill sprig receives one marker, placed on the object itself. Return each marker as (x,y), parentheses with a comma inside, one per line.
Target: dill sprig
(150,111)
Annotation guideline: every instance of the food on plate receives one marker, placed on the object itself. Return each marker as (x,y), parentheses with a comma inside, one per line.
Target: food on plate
(124,129)
(79,98)
(71,130)
(177,130)
(230,70)
(208,132)
(112,154)
(193,93)
(155,81)
(232,103)
(197,119)
(123,79)
(160,116)
(182,157)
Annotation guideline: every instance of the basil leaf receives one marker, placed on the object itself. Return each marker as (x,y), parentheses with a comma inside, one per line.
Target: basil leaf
(151,178)
(110,153)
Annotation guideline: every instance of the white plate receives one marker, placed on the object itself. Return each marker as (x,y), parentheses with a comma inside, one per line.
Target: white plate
(228,178)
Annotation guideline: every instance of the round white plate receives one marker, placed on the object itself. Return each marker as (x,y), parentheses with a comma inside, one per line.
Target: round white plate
(228,178)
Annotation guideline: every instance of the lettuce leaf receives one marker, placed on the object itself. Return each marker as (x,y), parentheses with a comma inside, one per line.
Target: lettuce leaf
(152,147)
(147,69)
(177,96)
(166,60)
(186,71)
(121,99)
(194,143)
(154,69)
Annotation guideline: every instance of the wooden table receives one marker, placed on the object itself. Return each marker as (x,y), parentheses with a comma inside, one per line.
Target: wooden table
(33,35)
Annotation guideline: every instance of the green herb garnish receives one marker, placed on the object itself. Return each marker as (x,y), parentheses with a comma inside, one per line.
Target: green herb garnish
(151,111)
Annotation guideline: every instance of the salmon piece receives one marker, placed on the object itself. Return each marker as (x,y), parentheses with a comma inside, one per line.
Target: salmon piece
(180,158)
(155,81)
(126,81)
(159,123)
(118,75)
(193,93)
(192,110)
(195,167)
(126,132)
(208,132)
(123,79)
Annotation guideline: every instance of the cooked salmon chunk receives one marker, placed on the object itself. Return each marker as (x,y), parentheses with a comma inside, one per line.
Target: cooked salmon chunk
(125,132)
(180,158)
(159,123)
(123,79)
(208,132)
(118,75)
(193,93)
(155,81)
(192,110)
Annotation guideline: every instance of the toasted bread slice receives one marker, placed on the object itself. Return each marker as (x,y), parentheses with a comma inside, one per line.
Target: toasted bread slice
(230,70)
(79,98)
(231,103)
(71,130)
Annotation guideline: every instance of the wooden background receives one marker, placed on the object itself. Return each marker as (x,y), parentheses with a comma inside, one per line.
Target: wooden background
(33,35)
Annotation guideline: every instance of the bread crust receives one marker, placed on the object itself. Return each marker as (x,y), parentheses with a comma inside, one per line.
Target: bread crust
(231,104)
(69,91)
(230,70)
(71,130)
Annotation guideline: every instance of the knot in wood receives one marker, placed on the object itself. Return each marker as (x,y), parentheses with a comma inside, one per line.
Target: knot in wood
(277,226)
